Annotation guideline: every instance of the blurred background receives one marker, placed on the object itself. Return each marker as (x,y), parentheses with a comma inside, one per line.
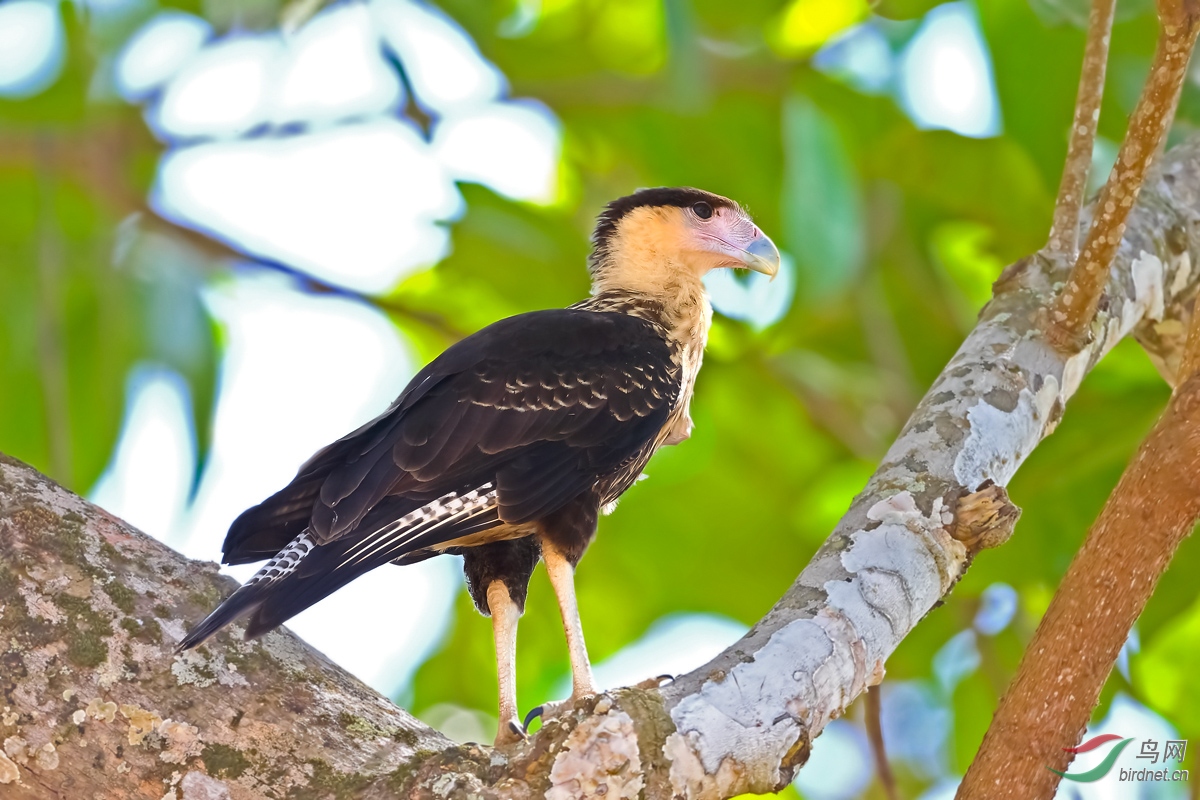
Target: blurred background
(231,231)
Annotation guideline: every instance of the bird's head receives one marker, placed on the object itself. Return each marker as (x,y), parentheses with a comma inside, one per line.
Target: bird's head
(660,237)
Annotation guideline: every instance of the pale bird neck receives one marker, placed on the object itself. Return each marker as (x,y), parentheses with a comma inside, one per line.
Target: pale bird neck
(668,293)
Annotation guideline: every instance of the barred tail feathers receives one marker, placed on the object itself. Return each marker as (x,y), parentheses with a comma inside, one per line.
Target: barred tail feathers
(333,566)
(279,591)
(252,593)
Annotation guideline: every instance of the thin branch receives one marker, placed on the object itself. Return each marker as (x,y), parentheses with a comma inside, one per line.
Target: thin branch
(832,412)
(875,735)
(1064,232)
(52,356)
(296,14)
(1152,510)
(96,160)
(1070,319)
(218,250)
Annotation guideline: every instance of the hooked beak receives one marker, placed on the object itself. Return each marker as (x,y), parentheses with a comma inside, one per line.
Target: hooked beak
(761,255)
(733,240)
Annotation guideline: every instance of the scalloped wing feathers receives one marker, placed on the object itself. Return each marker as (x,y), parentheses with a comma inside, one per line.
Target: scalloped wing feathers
(543,404)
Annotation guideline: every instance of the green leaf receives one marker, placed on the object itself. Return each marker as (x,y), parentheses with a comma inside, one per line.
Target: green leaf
(805,25)
(67,335)
(991,181)
(905,9)
(822,201)
(1165,673)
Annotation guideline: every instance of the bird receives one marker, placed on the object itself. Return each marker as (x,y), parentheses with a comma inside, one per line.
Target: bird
(507,447)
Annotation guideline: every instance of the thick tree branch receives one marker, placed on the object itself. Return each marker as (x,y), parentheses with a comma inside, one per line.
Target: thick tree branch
(1069,322)
(92,608)
(1064,231)
(1048,704)
(96,704)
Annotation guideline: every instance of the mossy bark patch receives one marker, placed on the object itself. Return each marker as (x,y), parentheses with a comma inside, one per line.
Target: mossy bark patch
(122,596)
(224,761)
(87,632)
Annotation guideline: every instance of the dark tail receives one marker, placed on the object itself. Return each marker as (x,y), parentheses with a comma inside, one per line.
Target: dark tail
(251,595)
(244,600)
(303,573)
(273,599)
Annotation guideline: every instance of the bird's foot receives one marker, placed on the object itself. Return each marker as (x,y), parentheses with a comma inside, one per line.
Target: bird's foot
(547,712)
(510,732)
(555,708)
(657,682)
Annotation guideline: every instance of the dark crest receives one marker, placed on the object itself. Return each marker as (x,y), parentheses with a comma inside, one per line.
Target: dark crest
(679,197)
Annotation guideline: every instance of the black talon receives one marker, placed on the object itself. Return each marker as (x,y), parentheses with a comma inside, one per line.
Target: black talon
(517,729)
(534,713)
(665,679)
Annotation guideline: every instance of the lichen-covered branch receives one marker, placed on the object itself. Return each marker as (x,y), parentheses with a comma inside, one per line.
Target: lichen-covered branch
(95,703)
(1064,230)
(1070,319)
(91,608)
(1047,706)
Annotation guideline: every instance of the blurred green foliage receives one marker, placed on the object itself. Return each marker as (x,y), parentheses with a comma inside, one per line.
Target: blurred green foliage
(897,233)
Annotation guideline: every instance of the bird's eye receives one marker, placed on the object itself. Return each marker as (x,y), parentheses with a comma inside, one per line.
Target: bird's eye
(702,210)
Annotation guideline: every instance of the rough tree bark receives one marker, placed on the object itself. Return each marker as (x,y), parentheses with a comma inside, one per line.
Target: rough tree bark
(96,705)
(1070,317)
(1072,190)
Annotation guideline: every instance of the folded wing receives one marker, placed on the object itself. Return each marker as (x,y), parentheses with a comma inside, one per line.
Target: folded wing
(527,414)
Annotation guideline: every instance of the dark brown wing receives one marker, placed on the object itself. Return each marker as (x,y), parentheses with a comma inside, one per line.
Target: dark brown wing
(541,404)
(537,407)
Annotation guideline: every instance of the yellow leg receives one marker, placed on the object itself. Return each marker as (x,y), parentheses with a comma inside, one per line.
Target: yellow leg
(562,578)
(505,616)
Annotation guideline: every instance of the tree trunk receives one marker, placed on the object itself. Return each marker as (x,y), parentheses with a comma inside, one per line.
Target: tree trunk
(97,705)
(1047,706)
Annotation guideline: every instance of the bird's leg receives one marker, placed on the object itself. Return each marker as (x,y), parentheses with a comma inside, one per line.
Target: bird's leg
(562,578)
(505,615)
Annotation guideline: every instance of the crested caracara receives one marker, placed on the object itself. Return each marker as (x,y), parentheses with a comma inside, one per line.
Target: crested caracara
(507,446)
